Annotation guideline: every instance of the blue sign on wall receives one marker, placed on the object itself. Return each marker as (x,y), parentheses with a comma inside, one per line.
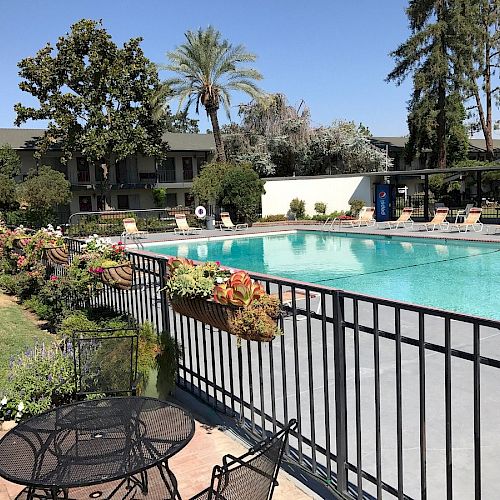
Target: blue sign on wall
(383,201)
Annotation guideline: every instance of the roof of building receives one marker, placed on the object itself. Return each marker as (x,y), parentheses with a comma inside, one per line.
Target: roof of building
(25,138)
(400,142)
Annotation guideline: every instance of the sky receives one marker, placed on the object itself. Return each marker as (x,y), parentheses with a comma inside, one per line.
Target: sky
(331,54)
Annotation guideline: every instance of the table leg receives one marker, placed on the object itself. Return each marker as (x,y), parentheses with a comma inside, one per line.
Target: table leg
(170,481)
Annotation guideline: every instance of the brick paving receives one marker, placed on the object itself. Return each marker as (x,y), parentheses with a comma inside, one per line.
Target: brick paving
(193,467)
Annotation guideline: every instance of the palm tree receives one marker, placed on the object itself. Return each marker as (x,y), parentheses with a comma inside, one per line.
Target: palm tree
(209,69)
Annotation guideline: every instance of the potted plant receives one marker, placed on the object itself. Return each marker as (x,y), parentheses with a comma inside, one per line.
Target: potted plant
(51,244)
(109,262)
(229,301)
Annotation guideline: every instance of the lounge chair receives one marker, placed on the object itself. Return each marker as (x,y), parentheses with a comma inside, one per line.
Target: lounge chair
(287,300)
(365,218)
(131,232)
(228,224)
(182,225)
(462,214)
(438,221)
(404,220)
(472,221)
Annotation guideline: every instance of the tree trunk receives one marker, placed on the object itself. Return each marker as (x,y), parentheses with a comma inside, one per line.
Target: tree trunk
(219,145)
(487,130)
(441,118)
(441,125)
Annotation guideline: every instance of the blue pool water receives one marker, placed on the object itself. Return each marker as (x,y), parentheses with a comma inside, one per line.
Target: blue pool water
(458,276)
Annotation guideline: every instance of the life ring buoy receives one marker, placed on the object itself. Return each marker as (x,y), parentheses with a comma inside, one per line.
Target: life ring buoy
(200,212)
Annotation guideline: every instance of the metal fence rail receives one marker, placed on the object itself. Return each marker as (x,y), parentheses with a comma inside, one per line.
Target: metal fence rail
(109,223)
(393,400)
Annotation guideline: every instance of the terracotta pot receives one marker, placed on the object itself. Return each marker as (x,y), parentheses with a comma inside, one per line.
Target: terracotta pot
(214,314)
(56,255)
(119,276)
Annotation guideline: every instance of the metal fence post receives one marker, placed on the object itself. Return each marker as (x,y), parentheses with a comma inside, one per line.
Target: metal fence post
(340,391)
(164,307)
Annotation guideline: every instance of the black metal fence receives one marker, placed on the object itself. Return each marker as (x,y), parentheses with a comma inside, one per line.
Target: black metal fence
(490,213)
(393,400)
(110,223)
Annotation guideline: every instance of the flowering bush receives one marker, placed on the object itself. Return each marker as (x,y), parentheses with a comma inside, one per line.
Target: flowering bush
(40,378)
(101,253)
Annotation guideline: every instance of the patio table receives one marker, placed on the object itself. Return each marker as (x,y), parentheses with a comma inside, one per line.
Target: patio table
(94,442)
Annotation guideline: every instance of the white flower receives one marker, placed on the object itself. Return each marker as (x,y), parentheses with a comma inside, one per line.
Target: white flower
(20,406)
(219,280)
(4,401)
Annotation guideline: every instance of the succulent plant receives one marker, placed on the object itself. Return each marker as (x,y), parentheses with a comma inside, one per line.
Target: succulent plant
(239,290)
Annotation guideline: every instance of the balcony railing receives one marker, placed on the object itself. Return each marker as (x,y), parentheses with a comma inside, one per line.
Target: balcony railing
(166,176)
(393,400)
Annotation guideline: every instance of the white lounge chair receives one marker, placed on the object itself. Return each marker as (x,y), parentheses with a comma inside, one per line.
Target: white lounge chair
(131,232)
(365,218)
(228,225)
(472,222)
(182,225)
(404,220)
(438,222)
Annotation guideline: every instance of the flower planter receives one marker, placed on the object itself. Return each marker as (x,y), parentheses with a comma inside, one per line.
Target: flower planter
(20,242)
(56,255)
(119,276)
(215,314)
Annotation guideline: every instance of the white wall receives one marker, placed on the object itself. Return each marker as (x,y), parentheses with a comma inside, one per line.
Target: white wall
(334,191)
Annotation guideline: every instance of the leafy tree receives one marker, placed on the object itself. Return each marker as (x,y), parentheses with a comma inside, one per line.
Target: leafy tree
(241,192)
(422,119)
(209,69)
(10,167)
(207,186)
(277,138)
(97,97)
(42,192)
(479,61)
(428,56)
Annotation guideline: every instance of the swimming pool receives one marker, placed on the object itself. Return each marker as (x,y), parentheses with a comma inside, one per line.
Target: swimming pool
(454,275)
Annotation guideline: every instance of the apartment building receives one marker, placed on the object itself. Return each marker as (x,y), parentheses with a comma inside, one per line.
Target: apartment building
(395,148)
(131,180)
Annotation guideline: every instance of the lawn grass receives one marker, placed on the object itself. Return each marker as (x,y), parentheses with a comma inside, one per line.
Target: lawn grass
(18,331)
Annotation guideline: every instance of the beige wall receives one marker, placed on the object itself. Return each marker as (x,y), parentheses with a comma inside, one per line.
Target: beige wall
(334,191)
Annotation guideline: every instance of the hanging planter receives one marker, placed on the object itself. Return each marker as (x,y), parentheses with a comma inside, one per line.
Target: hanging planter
(56,254)
(20,242)
(238,304)
(119,276)
(228,318)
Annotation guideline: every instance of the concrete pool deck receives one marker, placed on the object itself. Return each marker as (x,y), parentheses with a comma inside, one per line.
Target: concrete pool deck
(261,230)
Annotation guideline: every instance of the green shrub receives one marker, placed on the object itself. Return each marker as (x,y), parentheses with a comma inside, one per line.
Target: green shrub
(273,218)
(323,217)
(356,206)
(41,378)
(298,207)
(320,207)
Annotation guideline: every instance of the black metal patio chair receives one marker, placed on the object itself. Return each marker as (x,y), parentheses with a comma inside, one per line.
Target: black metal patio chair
(105,361)
(251,476)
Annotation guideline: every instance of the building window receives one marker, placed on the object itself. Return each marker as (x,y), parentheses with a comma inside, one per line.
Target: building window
(82,170)
(166,170)
(188,200)
(171,200)
(187,169)
(121,172)
(123,203)
(85,203)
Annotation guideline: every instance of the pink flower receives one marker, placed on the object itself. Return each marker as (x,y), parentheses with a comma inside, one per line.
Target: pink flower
(53,278)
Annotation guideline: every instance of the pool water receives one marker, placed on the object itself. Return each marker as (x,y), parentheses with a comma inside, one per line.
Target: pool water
(458,276)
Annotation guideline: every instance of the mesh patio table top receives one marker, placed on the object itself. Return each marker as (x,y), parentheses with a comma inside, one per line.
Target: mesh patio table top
(92,442)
